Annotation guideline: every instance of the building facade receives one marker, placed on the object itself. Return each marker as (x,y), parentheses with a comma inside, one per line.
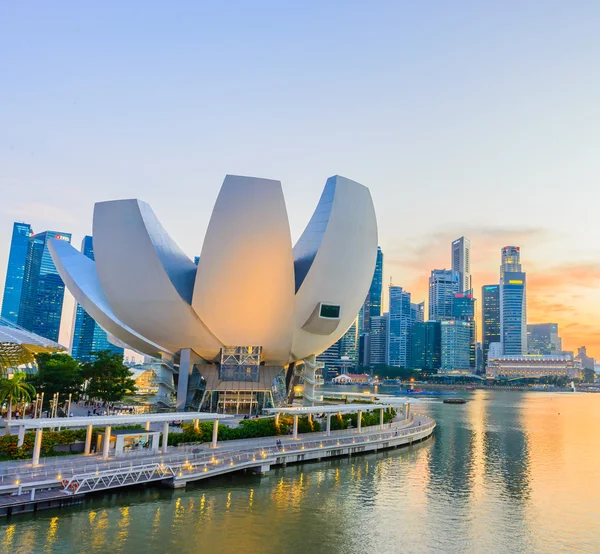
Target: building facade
(533,367)
(372,306)
(490,317)
(463,309)
(443,285)
(418,312)
(88,336)
(400,322)
(43,292)
(461,262)
(543,339)
(426,344)
(378,341)
(15,271)
(513,313)
(456,346)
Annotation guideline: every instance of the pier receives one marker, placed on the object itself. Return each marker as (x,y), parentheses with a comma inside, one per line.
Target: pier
(57,482)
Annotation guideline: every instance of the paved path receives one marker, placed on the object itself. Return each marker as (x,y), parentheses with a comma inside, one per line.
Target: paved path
(56,469)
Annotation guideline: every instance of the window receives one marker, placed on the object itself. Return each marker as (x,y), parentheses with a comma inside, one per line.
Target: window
(330,311)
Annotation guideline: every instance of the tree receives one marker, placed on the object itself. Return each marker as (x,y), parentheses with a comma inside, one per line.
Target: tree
(58,373)
(107,378)
(14,390)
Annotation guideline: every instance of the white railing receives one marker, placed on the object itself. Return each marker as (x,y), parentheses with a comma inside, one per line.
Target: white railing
(196,454)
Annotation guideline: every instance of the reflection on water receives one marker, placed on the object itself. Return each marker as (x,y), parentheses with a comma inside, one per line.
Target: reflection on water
(507,472)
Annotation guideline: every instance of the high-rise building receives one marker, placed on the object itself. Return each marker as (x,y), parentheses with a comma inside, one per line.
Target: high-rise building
(15,271)
(461,262)
(456,346)
(329,359)
(349,343)
(43,290)
(417,312)
(443,285)
(511,260)
(463,309)
(513,303)
(543,339)
(400,322)
(426,343)
(490,316)
(372,305)
(88,336)
(378,343)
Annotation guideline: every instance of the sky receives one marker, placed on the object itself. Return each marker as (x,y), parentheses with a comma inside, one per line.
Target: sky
(479,119)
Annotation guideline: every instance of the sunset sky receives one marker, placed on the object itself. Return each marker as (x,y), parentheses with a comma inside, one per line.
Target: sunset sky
(463,118)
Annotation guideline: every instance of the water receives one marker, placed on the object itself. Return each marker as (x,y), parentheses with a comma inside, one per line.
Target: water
(507,472)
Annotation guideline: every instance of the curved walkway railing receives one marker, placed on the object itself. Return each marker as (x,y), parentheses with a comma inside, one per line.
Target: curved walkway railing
(196,456)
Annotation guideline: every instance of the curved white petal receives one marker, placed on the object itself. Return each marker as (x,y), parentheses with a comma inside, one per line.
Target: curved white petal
(78,273)
(244,290)
(147,279)
(334,262)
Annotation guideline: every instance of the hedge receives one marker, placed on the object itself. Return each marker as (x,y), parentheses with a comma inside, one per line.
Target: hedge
(10,451)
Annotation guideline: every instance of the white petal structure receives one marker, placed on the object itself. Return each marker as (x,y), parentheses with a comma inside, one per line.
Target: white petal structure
(335,261)
(79,275)
(147,279)
(244,289)
(250,287)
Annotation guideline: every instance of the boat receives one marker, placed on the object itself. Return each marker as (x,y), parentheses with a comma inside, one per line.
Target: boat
(454,401)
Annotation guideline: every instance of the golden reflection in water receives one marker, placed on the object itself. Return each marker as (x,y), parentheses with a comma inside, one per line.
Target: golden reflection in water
(122,528)
(156,523)
(27,541)
(51,535)
(9,536)
(558,428)
(228,504)
(289,495)
(92,516)
(100,531)
(477,417)
(337,477)
(202,502)
(250,499)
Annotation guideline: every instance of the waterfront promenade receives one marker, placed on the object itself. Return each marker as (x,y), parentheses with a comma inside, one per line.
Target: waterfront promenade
(78,475)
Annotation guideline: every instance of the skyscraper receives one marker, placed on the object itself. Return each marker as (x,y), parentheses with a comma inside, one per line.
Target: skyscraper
(461,262)
(456,346)
(511,260)
(426,342)
(378,354)
(513,303)
(15,271)
(463,309)
(349,343)
(490,316)
(88,336)
(43,291)
(417,312)
(400,322)
(443,285)
(542,338)
(372,305)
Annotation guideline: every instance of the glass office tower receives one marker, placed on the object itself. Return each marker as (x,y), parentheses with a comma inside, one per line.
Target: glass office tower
(372,306)
(43,290)
(15,271)
(490,316)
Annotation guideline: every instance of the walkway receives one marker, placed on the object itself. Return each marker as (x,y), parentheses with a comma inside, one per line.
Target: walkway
(192,462)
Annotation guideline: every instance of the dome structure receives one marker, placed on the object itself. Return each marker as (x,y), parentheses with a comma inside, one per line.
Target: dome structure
(251,287)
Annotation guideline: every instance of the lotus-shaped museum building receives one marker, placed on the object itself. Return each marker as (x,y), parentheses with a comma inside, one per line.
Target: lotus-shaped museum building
(252,306)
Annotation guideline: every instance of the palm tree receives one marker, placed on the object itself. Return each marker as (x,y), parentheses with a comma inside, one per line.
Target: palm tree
(12,390)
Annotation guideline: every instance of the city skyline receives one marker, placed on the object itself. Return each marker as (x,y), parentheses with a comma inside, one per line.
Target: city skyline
(430,109)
